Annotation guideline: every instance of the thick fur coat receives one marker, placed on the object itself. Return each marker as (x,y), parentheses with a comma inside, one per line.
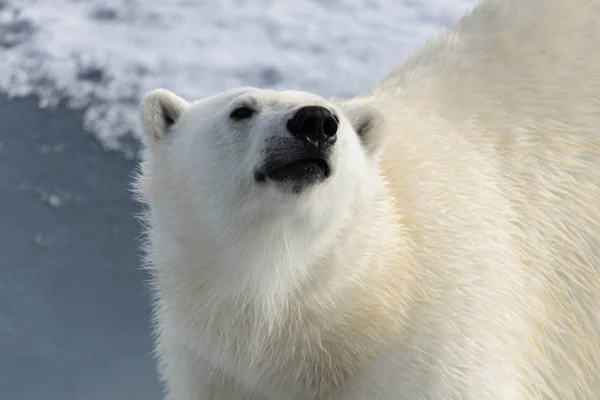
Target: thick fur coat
(453,252)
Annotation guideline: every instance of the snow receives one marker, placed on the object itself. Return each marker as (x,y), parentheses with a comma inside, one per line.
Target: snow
(103,55)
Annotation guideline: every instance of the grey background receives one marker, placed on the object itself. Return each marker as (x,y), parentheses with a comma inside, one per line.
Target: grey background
(74,306)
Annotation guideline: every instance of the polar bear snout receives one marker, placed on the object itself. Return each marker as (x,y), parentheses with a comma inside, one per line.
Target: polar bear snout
(302,156)
(315,126)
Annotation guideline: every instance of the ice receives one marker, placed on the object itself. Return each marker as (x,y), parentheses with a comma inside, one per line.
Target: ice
(103,55)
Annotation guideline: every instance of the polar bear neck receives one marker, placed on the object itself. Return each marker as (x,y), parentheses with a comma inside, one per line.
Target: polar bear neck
(356,277)
(230,265)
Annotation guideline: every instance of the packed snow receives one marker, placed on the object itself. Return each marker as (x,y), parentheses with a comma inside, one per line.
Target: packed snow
(103,55)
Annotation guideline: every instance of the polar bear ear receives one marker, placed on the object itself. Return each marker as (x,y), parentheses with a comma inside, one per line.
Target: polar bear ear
(368,122)
(160,109)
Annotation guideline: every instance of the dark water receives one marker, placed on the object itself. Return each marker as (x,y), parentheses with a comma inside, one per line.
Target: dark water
(73,303)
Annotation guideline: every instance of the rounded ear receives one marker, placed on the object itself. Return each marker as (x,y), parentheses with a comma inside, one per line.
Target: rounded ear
(368,122)
(160,109)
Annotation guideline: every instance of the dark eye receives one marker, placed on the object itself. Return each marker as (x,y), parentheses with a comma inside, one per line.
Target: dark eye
(242,112)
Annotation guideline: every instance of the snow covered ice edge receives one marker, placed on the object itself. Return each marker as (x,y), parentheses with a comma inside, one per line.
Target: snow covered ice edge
(103,55)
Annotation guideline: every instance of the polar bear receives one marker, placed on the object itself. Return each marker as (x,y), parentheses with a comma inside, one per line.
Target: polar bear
(437,237)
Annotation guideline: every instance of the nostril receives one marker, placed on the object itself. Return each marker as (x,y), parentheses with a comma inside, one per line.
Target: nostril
(330,127)
(331,140)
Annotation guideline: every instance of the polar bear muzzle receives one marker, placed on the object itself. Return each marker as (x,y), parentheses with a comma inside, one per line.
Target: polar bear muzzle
(303,158)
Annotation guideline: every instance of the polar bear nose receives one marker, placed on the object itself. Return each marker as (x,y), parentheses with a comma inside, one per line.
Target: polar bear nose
(314,125)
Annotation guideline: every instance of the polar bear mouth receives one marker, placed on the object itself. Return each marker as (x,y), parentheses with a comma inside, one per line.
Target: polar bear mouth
(306,171)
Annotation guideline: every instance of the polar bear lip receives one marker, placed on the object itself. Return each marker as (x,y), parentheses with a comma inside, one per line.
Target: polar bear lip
(305,171)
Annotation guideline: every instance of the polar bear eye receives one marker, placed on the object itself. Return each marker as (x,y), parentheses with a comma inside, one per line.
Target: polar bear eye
(241,113)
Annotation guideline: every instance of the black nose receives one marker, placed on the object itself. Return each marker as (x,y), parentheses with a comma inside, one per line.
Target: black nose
(314,125)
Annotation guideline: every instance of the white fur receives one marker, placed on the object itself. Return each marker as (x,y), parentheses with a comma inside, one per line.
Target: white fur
(454,253)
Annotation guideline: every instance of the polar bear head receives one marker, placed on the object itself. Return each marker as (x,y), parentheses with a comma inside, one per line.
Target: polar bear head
(274,164)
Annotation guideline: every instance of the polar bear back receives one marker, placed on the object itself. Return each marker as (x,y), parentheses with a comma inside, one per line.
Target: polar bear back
(496,147)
